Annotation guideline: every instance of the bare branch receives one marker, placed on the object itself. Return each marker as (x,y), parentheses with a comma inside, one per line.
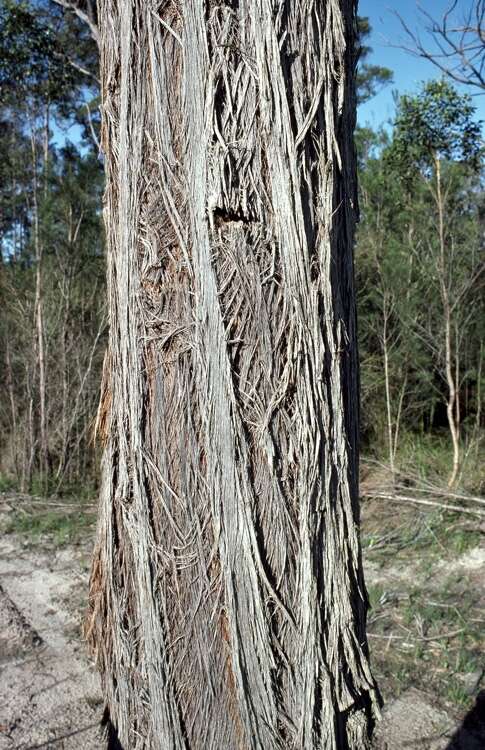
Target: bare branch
(84,71)
(456,47)
(91,128)
(87,18)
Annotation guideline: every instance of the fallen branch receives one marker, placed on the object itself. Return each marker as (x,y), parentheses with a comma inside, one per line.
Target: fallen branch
(437,492)
(422,501)
(393,637)
(9,502)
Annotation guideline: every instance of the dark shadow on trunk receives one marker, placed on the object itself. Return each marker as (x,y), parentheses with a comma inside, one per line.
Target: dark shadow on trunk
(111,735)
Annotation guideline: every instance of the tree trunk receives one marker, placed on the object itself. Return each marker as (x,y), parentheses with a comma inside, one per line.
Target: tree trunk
(228,603)
(386,312)
(39,317)
(9,377)
(443,275)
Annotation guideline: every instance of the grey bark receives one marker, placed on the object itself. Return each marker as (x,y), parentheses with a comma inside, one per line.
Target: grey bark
(227,599)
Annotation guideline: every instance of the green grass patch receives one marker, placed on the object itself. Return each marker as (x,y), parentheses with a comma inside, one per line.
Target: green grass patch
(6,483)
(456,694)
(59,527)
(375,593)
(430,639)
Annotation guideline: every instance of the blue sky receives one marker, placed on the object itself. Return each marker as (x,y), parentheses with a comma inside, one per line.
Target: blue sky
(409,71)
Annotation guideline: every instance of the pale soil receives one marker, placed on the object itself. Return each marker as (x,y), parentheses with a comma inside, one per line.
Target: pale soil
(49,692)
(412,722)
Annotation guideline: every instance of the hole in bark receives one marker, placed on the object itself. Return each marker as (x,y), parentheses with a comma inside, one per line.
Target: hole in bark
(222,216)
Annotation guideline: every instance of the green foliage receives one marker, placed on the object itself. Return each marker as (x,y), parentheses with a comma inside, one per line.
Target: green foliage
(33,62)
(50,219)
(427,455)
(436,123)
(71,233)
(59,527)
(370,78)
(401,268)
(48,68)
(6,483)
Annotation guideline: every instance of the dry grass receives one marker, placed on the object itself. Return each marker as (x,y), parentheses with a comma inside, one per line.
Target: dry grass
(425,573)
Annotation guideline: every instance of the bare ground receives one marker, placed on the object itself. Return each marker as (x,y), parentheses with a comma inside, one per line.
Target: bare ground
(49,691)
(426,578)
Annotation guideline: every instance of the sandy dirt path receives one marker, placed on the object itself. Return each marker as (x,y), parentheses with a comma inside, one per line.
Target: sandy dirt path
(49,691)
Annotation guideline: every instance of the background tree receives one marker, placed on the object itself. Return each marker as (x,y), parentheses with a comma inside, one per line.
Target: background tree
(420,270)
(48,251)
(433,129)
(385,250)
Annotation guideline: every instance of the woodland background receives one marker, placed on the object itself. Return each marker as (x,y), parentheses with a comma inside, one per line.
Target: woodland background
(419,266)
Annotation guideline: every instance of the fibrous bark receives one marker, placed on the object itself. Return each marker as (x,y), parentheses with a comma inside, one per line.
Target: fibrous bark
(228,604)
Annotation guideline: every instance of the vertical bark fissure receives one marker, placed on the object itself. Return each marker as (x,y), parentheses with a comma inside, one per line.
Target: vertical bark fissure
(228,606)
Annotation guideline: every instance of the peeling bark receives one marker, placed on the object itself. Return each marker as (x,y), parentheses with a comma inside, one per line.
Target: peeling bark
(227,599)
